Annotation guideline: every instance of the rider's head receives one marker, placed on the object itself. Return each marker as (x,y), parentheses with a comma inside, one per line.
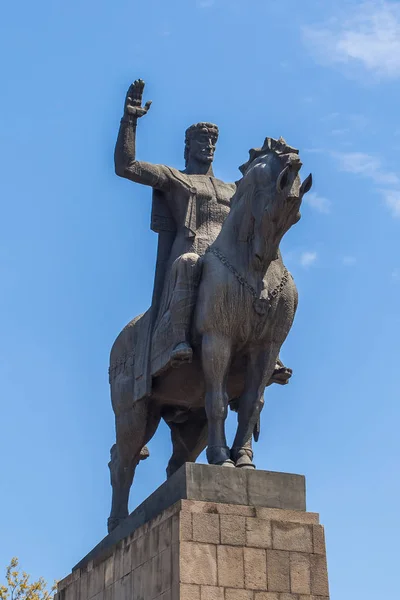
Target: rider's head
(200,141)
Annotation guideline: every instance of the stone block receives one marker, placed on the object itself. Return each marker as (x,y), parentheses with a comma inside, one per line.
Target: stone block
(232,594)
(70,592)
(319,575)
(96,580)
(233,530)
(300,573)
(230,566)
(175,568)
(140,552)
(212,593)
(189,592)
(276,490)
(154,541)
(198,564)
(255,569)
(278,571)
(109,592)
(83,587)
(195,506)
(109,571)
(319,539)
(294,537)
(206,528)
(258,533)
(210,483)
(141,583)
(206,483)
(123,588)
(185,526)
(211,544)
(295,516)
(160,573)
(122,560)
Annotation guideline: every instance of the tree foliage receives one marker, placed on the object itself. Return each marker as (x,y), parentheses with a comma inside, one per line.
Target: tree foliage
(19,587)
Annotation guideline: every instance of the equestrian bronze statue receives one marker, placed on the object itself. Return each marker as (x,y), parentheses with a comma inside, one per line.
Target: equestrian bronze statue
(223,303)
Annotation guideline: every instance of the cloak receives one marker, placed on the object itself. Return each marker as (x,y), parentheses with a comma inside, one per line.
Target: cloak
(163,223)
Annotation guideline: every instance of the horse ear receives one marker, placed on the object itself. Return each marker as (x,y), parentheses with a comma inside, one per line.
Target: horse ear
(283,180)
(306,185)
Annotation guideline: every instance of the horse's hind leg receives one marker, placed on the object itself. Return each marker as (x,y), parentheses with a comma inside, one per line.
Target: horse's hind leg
(216,358)
(188,440)
(260,368)
(134,428)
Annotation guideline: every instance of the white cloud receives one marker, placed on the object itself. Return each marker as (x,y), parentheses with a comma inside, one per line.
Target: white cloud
(396,274)
(308,258)
(360,163)
(349,261)
(204,3)
(368,37)
(371,167)
(340,131)
(319,203)
(392,201)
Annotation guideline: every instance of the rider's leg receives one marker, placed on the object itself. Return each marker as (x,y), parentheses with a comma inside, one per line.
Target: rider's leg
(186,273)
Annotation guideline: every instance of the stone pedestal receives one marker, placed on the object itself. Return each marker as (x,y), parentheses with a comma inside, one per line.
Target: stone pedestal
(210,533)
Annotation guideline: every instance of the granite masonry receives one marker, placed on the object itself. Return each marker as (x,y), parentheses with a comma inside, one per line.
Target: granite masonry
(264,546)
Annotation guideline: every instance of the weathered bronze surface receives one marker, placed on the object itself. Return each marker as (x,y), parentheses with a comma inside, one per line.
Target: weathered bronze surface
(223,302)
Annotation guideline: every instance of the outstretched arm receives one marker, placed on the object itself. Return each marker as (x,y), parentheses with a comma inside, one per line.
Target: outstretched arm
(126,164)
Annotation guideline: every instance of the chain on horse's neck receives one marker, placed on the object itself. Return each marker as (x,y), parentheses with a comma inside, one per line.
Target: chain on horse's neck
(243,281)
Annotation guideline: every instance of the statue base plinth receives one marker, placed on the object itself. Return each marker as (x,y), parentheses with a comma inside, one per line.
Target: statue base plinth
(210,533)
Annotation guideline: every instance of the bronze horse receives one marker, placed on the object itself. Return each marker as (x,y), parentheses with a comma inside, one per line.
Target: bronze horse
(245,308)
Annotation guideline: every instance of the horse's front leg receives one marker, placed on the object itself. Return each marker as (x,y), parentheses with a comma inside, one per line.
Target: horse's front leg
(261,364)
(216,358)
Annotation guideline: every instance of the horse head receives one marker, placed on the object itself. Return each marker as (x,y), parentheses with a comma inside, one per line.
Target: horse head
(270,194)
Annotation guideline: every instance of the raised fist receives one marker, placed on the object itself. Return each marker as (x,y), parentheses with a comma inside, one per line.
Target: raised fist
(133,101)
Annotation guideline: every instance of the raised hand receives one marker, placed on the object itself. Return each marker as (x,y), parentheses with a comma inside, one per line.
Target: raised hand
(133,101)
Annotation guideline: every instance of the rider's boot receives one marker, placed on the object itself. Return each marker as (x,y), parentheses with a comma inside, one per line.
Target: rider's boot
(187,272)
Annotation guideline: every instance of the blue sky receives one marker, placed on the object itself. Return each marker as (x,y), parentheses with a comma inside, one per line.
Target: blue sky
(77,256)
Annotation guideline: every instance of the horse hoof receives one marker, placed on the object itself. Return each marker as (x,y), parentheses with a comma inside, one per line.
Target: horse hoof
(243,458)
(228,463)
(245,462)
(219,455)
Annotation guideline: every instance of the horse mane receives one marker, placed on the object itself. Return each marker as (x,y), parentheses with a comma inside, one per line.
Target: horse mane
(270,145)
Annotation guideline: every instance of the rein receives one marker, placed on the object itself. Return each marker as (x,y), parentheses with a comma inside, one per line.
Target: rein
(260,305)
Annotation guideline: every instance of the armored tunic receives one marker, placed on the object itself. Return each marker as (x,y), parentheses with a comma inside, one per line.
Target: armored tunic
(188,212)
